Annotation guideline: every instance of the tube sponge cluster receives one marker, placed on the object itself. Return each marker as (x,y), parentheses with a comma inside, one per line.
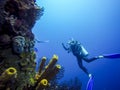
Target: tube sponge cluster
(38,82)
(47,73)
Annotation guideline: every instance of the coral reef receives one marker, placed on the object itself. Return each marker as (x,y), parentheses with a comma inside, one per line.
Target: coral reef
(17,56)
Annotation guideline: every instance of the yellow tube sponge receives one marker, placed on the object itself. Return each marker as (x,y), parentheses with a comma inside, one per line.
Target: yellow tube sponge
(8,74)
(37,76)
(42,84)
(54,71)
(52,62)
(48,72)
(49,67)
(42,65)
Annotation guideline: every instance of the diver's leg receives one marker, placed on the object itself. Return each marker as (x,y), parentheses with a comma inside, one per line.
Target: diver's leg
(82,67)
(91,59)
(111,56)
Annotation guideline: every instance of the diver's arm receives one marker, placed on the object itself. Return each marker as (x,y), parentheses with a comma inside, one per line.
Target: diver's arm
(66,48)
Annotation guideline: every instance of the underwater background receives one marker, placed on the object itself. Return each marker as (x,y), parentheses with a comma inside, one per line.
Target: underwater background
(94,23)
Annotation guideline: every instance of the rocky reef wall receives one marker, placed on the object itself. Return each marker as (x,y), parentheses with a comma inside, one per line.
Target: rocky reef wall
(17,56)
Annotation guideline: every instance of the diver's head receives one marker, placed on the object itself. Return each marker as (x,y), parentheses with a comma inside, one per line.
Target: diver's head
(72,42)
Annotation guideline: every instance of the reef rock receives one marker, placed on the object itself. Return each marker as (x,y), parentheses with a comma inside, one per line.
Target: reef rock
(17,56)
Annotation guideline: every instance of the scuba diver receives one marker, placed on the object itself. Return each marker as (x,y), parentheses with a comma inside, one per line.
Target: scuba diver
(81,54)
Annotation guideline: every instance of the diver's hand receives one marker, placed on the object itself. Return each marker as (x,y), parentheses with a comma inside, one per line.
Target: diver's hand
(63,44)
(66,48)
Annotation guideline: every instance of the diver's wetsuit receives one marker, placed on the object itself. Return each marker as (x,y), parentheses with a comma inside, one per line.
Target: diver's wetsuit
(80,53)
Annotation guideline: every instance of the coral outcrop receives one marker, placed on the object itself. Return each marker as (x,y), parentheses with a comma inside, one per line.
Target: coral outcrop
(17,55)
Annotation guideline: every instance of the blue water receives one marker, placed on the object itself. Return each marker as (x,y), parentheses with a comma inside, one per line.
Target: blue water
(94,23)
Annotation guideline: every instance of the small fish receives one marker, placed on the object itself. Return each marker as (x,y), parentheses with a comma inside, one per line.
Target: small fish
(35,49)
(42,41)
